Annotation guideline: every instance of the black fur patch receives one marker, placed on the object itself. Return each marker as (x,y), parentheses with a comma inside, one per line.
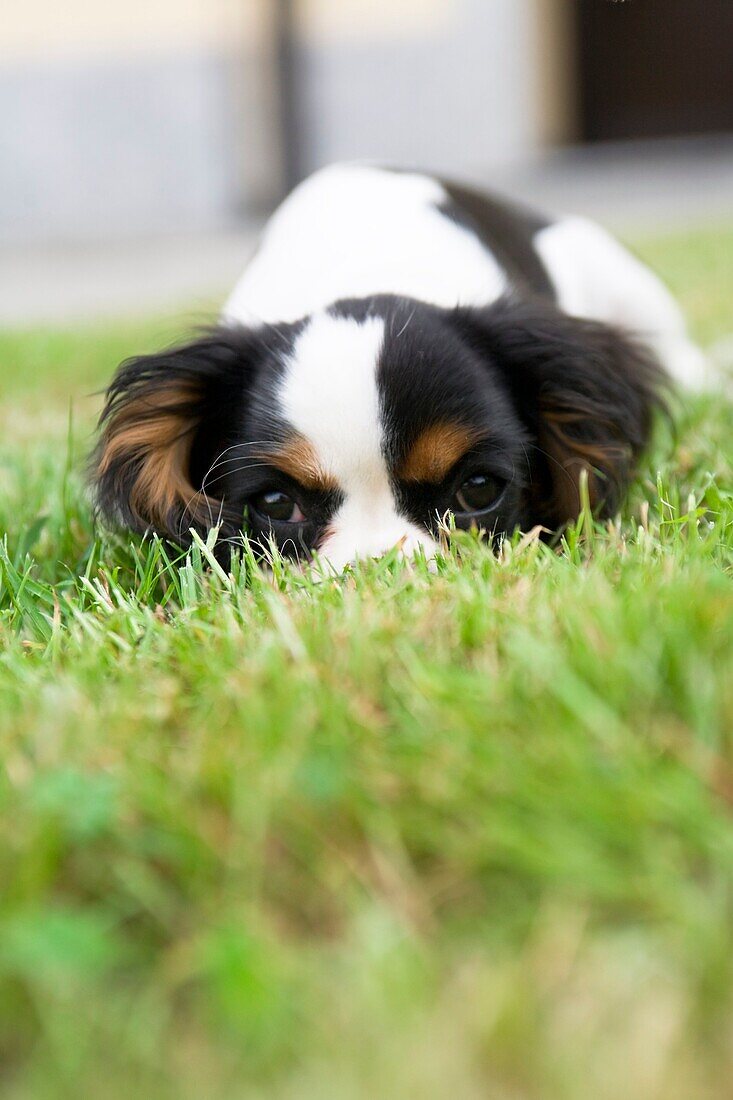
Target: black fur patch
(507,231)
(548,395)
(588,393)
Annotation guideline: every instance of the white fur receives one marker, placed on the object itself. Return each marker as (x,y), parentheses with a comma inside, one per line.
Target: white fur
(329,394)
(351,232)
(597,278)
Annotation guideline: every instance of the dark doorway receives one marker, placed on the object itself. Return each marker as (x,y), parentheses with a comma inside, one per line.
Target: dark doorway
(654,68)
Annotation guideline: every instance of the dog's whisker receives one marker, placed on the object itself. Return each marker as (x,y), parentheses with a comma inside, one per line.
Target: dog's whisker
(406,325)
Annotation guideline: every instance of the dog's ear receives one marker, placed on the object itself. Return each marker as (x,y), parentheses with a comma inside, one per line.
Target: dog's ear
(156,435)
(586,391)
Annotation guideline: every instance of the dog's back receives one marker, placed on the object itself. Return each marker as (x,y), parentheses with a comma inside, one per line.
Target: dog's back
(356,231)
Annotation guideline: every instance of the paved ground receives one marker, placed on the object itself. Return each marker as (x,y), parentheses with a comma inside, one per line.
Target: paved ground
(632,189)
(71,283)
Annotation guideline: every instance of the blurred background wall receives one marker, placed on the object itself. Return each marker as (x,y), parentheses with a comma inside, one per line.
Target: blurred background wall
(130,117)
(120,122)
(159,114)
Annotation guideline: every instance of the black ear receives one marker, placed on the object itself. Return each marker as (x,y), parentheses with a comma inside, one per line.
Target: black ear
(166,417)
(587,392)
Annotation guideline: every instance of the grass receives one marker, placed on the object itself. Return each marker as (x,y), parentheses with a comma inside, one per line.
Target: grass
(403,835)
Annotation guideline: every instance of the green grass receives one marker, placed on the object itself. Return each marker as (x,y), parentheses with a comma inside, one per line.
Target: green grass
(401,835)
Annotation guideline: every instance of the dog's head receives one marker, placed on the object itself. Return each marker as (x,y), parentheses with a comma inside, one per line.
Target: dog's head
(359,428)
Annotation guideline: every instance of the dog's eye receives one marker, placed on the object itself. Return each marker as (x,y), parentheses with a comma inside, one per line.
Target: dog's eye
(278,506)
(478,493)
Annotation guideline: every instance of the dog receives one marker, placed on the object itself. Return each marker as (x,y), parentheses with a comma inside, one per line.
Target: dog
(400,350)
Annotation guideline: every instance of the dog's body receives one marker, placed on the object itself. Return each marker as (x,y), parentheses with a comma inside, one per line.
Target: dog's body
(397,349)
(359,232)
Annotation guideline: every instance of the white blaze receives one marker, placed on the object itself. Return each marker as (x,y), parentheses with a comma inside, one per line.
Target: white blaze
(329,394)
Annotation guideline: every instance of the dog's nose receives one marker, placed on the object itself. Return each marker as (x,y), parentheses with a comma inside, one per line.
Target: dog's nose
(339,551)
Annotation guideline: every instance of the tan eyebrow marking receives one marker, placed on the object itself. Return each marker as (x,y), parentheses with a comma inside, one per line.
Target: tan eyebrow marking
(436,451)
(297,458)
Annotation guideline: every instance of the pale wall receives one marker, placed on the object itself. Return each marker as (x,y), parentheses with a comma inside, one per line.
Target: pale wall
(458,95)
(158,114)
(47,29)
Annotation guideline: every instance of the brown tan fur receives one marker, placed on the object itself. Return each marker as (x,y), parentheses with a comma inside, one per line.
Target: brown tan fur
(571,456)
(298,459)
(436,451)
(159,436)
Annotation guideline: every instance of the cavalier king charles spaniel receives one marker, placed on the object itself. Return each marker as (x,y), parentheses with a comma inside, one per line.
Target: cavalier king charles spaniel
(400,349)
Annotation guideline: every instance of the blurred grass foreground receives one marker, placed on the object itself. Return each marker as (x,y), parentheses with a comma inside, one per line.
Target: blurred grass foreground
(401,835)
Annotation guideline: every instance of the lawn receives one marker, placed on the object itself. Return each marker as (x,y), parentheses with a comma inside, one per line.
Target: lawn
(400,835)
